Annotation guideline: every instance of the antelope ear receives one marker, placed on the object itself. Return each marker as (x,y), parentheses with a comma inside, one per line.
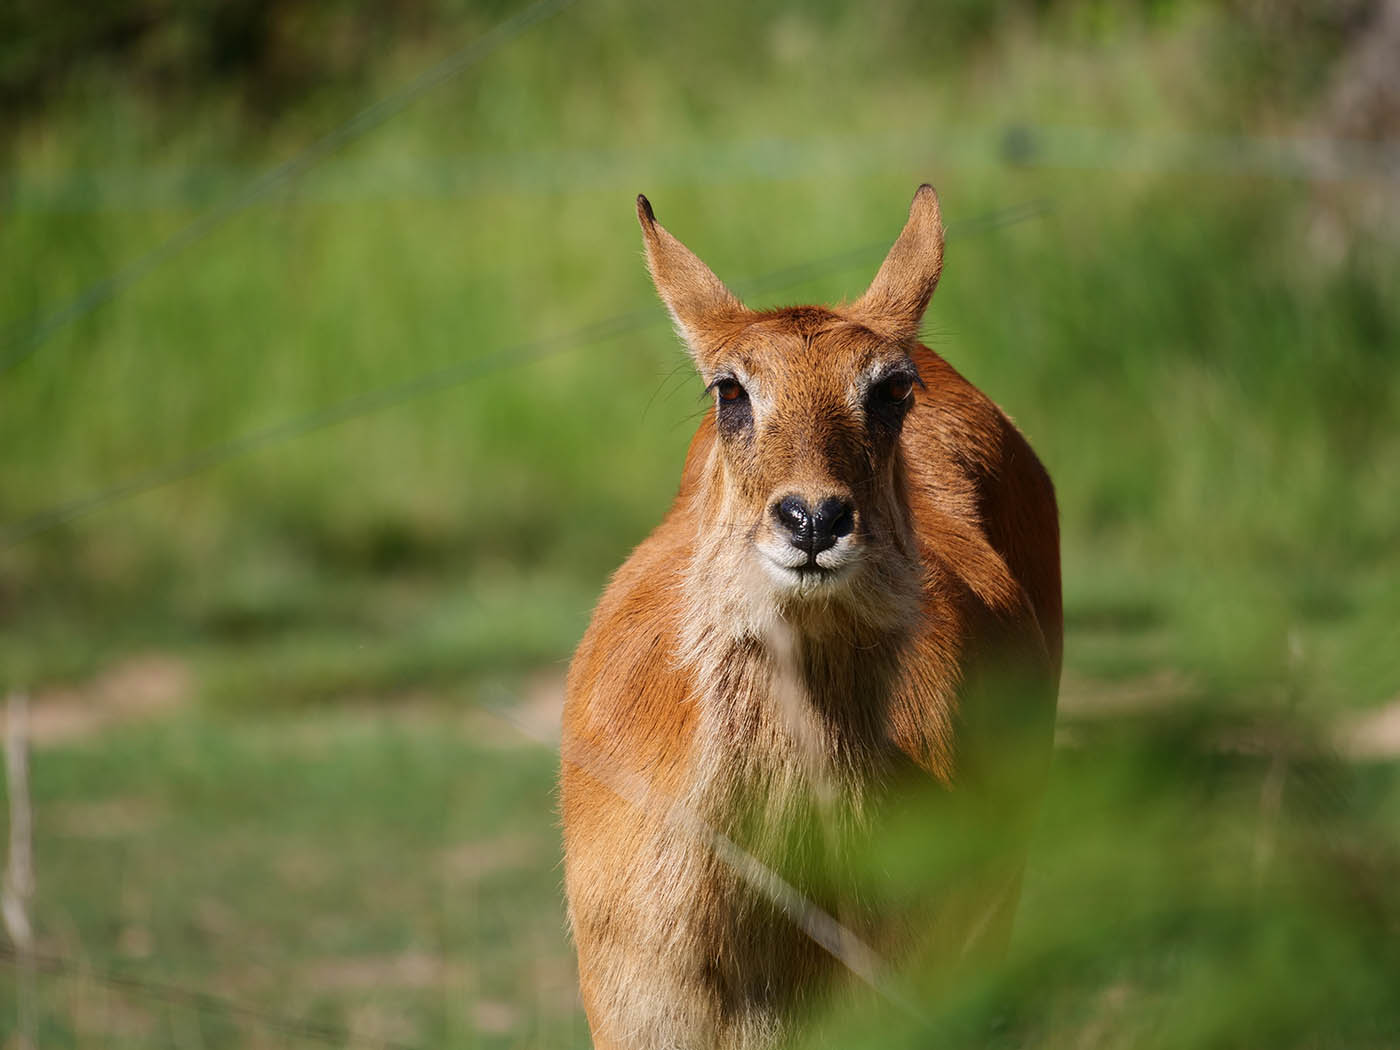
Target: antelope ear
(696,298)
(894,303)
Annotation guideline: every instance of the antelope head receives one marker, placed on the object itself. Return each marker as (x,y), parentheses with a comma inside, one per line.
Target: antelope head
(803,499)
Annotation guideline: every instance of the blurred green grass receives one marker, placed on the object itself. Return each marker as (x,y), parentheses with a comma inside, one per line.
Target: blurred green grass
(1203,358)
(1232,477)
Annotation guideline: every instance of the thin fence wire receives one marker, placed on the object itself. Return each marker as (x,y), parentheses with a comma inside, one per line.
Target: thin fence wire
(456,374)
(33,333)
(439,176)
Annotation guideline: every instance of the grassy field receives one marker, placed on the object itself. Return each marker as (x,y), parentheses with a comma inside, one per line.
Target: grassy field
(274,774)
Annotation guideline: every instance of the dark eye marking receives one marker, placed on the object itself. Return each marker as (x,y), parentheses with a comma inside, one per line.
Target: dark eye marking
(891,396)
(895,388)
(734,412)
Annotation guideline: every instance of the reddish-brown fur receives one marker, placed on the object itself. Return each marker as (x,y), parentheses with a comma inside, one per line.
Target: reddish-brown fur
(758,698)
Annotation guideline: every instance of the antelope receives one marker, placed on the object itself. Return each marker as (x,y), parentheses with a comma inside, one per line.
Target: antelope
(853,606)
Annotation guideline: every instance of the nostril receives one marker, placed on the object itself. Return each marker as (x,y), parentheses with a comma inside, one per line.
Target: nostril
(834,518)
(843,519)
(794,515)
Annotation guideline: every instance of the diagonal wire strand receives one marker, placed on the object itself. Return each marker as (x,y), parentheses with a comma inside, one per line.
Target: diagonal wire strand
(443,378)
(31,337)
(342,411)
(448,376)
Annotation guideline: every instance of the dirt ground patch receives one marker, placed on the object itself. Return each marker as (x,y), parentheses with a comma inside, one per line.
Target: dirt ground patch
(155,685)
(109,818)
(1375,734)
(1087,698)
(472,861)
(132,690)
(411,970)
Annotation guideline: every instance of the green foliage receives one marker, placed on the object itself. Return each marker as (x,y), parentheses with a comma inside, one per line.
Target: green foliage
(1185,893)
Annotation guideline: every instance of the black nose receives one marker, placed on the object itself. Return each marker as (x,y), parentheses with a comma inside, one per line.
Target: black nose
(814,531)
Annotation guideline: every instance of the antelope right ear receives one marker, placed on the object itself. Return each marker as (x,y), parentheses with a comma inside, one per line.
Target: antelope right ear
(697,300)
(896,300)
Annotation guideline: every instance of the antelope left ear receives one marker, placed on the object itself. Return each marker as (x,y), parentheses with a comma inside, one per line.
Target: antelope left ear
(697,299)
(895,302)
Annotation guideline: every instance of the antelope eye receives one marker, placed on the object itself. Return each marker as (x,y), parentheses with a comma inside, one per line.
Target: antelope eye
(896,388)
(729,390)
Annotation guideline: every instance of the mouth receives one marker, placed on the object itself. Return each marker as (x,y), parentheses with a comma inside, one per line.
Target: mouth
(807,576)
